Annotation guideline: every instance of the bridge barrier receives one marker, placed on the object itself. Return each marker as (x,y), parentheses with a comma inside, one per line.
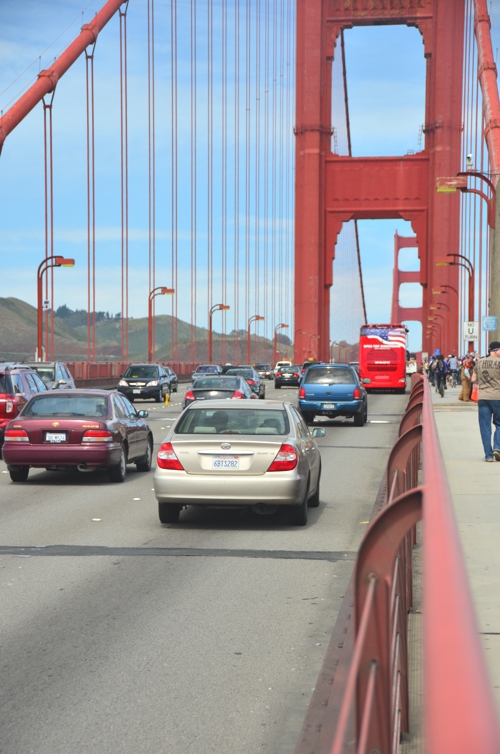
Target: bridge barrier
(107,373)
(372,710)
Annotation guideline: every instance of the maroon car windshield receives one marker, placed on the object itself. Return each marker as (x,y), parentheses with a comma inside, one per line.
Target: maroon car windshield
(62,404)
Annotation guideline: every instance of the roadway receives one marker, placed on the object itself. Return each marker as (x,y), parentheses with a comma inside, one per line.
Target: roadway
(120,635)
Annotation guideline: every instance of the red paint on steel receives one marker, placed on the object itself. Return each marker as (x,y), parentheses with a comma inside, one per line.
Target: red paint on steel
(489,87)
(47,79)
(331,190)
(460,713)
(402,313)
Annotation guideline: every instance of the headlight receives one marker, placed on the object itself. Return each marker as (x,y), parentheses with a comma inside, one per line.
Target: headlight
(153,383)
(122,382)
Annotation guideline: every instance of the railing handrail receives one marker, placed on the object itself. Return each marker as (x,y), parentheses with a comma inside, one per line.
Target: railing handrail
(460,714)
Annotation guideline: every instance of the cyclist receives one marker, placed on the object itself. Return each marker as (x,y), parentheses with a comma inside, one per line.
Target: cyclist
(441,369)
(454,365)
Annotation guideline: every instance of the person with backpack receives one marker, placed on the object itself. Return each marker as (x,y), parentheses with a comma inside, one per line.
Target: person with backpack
(441,369)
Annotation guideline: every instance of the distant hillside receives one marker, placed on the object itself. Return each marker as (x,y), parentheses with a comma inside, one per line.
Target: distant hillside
(18,338)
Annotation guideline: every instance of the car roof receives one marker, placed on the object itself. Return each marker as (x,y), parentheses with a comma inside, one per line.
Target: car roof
(333,366)
(233,405)
(81,391)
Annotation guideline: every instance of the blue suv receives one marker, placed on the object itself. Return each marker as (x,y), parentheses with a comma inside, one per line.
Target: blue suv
(333,390)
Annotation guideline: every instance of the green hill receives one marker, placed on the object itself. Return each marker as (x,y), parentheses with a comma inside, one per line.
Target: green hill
(18,339)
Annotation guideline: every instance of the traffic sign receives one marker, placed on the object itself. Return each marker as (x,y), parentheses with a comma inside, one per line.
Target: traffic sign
(490,323)
(471,331)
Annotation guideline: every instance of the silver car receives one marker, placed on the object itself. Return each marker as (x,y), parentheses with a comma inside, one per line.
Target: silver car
(223,454)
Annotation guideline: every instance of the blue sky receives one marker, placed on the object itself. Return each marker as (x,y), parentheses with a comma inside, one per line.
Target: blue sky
(386,79)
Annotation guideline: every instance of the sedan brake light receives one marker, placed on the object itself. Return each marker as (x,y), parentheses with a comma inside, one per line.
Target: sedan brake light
(295,374)
(237,394)
(286,460)
(302,392)
(357,392)
(278,374)
(167,458)
(190,396)
(16,435)
(251,382)
(97,435)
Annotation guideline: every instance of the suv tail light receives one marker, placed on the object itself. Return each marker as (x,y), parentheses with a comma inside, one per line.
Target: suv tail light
(286,460)
(97,435)
(190,396)
(237,394)
(357,392)
(302,393)
(16,435)
(167,458)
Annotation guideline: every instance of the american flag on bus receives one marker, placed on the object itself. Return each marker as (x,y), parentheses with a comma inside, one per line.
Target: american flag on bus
(395,336)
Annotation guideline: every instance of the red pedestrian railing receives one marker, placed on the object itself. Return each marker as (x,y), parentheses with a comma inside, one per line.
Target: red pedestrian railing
(460,714)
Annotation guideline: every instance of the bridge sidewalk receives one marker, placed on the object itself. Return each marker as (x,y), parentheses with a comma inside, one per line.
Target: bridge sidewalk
(475,489)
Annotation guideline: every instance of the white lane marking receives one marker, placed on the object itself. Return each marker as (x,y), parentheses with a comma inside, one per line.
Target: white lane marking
(375,421)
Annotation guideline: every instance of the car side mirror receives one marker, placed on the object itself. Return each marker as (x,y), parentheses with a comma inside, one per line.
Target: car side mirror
(318,432)
(62,382)
(143,414)
(366,380)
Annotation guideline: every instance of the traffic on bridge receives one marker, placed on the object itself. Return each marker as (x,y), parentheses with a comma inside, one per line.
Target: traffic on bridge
(249,296)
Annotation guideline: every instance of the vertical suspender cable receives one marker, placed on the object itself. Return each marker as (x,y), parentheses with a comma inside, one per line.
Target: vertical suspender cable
(224,172)
(247,158)
(124,182)
(49,224)
(236,355)
(151,158)
(257,209)
(349,145)
(210,152)
(193,349)
(91,313)
(265,290)
(281,163)
(274,148)
(175,216)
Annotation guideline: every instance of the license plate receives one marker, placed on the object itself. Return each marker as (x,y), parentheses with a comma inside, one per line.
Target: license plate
(136,391)
(225,462)
(55,437)
(330,406)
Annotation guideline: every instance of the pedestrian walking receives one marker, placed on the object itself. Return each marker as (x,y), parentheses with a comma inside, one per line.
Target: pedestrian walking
(465,377)
(487,376)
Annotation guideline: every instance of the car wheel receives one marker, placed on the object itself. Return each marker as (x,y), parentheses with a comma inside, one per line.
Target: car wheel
(360,418)
(169,512)
(263,396)
(159,398)
(19,473)
(118,473)
(307,416)
(131,399)
(297,514)
(144,463)
(174,390)
(278,387)
(314,500)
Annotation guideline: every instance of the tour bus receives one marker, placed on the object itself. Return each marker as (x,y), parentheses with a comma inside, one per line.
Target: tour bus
(382,357)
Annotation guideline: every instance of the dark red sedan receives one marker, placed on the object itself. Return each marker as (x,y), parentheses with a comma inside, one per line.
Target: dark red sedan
(83,429)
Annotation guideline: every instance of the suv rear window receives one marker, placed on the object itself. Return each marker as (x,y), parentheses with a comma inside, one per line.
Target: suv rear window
(5,384)
(330,376)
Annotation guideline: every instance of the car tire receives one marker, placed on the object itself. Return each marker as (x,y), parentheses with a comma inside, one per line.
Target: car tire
(307,416)
(159,398)
(360,418)
(119,472)
(168,513)
(144,463)
(297,514)
(278,387)
(314,499)
(19,473)
(263,396)
(174,390)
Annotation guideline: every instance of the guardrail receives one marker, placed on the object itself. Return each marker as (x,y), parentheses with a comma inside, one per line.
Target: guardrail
(460,714)
(108,373)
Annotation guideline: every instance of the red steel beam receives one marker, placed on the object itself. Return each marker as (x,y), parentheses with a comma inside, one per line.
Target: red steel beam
(488,81)
(47,79)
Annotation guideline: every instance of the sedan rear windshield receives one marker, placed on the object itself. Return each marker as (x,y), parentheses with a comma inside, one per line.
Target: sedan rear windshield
(263,366)
(216,383)
(287,370)
(67,405)
(142,373)
(237,421)
(330,376)
(247,374)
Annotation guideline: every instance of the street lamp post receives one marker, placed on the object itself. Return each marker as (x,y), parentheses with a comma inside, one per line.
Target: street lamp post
(52,261)
(467,266)
(278,327)
(160,291)
(255,318)
(214,308)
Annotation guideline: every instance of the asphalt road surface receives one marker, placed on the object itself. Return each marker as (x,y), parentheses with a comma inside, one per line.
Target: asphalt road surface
(123,636)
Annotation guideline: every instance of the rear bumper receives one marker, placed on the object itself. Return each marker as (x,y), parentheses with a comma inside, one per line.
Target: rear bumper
(276,488)
(144,392)
(342,408)
(292,383)
(25,454)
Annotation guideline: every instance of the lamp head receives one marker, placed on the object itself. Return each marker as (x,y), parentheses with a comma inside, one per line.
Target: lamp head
(63,262)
